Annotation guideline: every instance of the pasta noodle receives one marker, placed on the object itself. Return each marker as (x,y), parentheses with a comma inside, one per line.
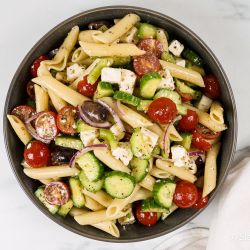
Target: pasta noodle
(88,36)
(74,211)
(148,182)
(108,227)
(141,194)
(42,99)
(19,128)
(92,204)
(78,55)
(174,134)
(161,174)
(210,170)
(57,102)
(161,37)
(216,112)
(170,211)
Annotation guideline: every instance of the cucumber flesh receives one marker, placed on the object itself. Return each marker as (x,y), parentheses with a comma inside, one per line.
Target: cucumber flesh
(165,56)
(186,140)
(181,109)
(103,89)
(192,57)
(64,209)
(120,61)
(139,168)
(76,192)
(172,95)
(149,205)
(126,98)
(108,136)
(143,105)
(183,88)
(91,186)
(82,127)
(146,31)
(69,142)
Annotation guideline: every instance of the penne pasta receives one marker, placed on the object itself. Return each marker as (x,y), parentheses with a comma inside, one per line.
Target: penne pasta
(210,170)
(67,94)
(183,73)
(162,38)
(92,204)
(170,211)
(19,129)
(74,211)
(118,30)
(57,102)
(51,172)
(160,173)
(176,171)
(42,99)
(174,134)
(120,49)
(216,112)
(46,181)
(148,182)
(88,36)
(141,194)
(78,55)
(108,227)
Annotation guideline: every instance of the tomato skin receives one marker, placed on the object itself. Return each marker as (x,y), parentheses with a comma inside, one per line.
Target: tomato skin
(146,63)
(185,97)
(212,87)
(202,201)
(23,112)
(146,218)
(199,142)
(68,115)
(189,121)
(186,194)
(152,46)
(86,88)
(162,110)
(36,64)
(56,193)
(206,133)
(37,154)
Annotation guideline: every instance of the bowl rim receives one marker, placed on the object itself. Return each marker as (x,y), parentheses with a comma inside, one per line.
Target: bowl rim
(31,51)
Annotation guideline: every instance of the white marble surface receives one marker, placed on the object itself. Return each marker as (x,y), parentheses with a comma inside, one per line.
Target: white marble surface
(223,24)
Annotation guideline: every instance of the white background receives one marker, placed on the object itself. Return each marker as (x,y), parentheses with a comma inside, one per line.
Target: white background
(223,24)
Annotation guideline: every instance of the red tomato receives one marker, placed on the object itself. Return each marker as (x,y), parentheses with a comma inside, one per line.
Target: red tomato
(186,194)
(30,89)
(23,112)
(56,193)
(206,133)
(146,218)
(66,120)
(151,45)
(86,88)
(36,64)
(185,97)
(199,142)
(37,154)
(212,87)
(46,125)
(202,201)
(146,63)
(162,110)
(189,121)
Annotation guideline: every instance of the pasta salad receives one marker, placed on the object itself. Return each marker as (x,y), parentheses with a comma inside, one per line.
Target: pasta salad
(122,125)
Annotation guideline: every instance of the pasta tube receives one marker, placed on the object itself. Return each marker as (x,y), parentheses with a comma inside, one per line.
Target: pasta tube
(161,174)
(148,182)
(108,227)
(216,112)
(89,36)
(42,99)
(162,38)
(92,204)
(57,102)
(141,194)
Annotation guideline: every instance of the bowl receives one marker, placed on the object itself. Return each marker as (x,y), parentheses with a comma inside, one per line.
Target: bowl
(16,95)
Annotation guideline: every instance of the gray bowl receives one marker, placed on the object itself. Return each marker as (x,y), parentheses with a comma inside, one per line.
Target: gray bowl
(17,94)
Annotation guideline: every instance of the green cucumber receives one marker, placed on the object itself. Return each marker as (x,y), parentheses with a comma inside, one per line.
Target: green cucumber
(82,127)
(172,95)
(181,109)
(149,83)
(163,192)
(96,71)
(119,184)
(157,150)
(91,166)
(120,61)
(103,89)
(146,31)
(40,195)
(186,140)
(64,209)
(143,105)
(139,168)
(91,186)
(108,136)
(192,57)
(165,56)
(126,98)
(149,205)
(69,142)
(76,192)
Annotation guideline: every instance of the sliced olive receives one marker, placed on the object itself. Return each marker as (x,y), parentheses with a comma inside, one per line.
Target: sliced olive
(61,155)
(98,24)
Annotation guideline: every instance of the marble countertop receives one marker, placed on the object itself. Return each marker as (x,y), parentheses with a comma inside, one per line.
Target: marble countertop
(223,24)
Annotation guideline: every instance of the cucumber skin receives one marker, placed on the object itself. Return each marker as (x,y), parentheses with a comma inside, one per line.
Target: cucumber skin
(120,61)
(192,57)
(172,95)
(146,31)
(149,205)
(91,186)
(64,209)
(143,105)
(126,98)
(75,187)
(69,142)
(186,140)
(104,89)
(136,167)
(165,56)
(108,136)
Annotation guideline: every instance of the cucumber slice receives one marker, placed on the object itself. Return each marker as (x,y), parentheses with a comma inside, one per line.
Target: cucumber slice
(69,142)
(91,166)
(157,150)
(103,89)
(186,140)
(146,31)
(96,71)
(108,136)
(192,57)
(119,184)
(172,95)
(163,192)
(64,209)
(40,195)
(91,186)
(143,105)
(165,56)
(82,127)
(149,205)
(149,83)
(182,110)
(126,98)
(139,168)
(120,61)
(76,192)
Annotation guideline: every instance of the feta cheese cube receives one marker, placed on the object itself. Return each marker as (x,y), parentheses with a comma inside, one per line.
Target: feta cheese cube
(179,155)
(167,81)
(181,62)
(176,47)
(87,137)
(123,153)
(112,75)
(74,71)
(127,82)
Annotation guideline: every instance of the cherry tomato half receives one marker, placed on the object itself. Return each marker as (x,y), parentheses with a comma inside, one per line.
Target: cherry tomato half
(23,112)
(145,218)
(199,142)
(206,133)
(202,201)
(186,194)
(162,110)
(212,87)
(151,45)
(36,64)
(37,154)
(56,193)
(146,63)
(46,125)
(185,97)
(66,120)
(86,88)
(189,121)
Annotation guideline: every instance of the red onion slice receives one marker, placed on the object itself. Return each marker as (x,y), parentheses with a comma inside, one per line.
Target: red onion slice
(85,150)
(196,153)
(118,107)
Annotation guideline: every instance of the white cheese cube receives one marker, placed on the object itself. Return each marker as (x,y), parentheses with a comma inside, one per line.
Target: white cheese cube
(87,137)
(74,71)
(176,47)
(112,75)
(167,81)
(123,153)
(127,82)
(179,155)
(181,62)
